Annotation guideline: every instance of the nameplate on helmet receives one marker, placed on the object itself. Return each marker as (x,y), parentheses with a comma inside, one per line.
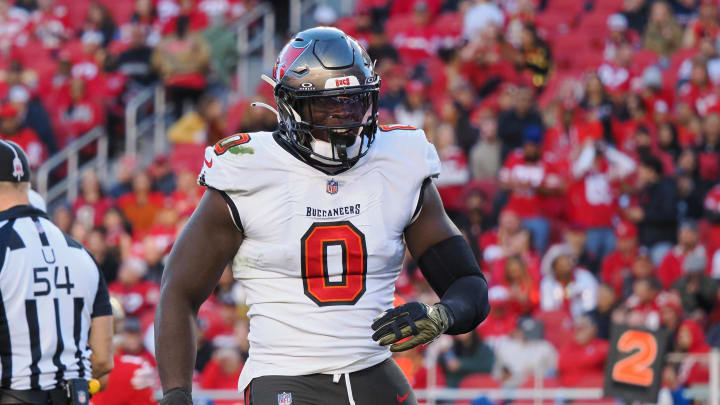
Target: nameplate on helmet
(345,81)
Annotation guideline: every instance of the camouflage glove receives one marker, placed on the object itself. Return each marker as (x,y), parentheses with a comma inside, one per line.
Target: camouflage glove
(423,322)
(177,396)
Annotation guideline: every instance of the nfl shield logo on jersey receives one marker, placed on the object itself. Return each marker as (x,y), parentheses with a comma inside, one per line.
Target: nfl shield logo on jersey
(332,186)
(285,398)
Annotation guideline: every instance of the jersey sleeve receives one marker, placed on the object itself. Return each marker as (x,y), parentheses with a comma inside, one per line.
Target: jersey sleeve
(426,162)
(224,172)
(101,305)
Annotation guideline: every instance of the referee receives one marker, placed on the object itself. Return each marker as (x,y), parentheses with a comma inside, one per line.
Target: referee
(55,313)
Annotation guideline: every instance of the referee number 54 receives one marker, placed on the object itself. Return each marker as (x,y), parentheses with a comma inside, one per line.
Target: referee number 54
(42,281)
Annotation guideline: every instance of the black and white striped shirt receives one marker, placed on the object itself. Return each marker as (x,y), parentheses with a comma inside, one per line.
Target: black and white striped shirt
(50,289)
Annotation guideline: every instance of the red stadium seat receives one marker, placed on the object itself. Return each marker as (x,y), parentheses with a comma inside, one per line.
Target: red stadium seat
(569,7)
(479,380)
(187,156)
(565,50)
(77,10)
(594,27)
(448,25)
(396,25)
(643,58)
(553,24)
(608,6)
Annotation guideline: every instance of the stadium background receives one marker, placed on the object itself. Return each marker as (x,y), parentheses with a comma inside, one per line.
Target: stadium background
(582,129)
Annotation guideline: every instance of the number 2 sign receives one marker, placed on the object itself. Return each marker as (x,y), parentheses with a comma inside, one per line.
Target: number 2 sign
(634,367)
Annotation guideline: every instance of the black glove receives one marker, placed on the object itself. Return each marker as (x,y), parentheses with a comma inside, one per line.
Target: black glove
(177,396)
(423,322)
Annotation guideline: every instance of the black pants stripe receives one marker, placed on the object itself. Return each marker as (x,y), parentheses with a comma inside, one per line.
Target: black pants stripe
(383,384)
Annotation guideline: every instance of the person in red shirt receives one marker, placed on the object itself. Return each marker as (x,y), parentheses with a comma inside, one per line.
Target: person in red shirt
(131,341)
(593,194)
(529,178)
(417,42)
(706,24)
(584,356)
(129,383)
(618,263)
(494,243)
(81,113)
(671,267)
(699,92)
(691,340)
(187,9)
(25,137)
(222,372)
(642,305)
(502,320)
(136,295)
(50,23)
(524,293)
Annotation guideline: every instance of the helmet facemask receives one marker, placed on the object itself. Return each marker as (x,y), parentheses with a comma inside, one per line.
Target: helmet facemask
(334,129)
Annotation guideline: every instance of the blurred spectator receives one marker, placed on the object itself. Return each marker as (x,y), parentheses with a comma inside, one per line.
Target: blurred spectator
(705,25)
(565,286)
(524,294)
(10,129)
(502,321)
(107,259)
(131,341)
(117,230)
(518,357)
(495,243)
(616,265)
(415,107)
(468,355)
(51,23)
(593,195)
(662,34)
(141,205)
(691,340)
(455,174)
(182,58)
(617,24)
(204,125)
(485,155)
(34,115)
(512,123)
(709,150)
(602,315)
(528,177)
(138,297)
(135,62)
(124,170)
(696,289)
(163,178)
(222,372)
(643,310)
(636,12)
(416,41)
(99,19)
(641,268)
(712,215)
(187,195)
(597,106)
(80,113)
(575,236)
(91,204)
(656,211)
(535,56)
(584,357)
(183,12)
(671,268)
(481,15)
(63,217)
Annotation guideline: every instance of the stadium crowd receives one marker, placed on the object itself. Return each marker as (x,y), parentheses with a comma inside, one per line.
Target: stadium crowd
(580,142)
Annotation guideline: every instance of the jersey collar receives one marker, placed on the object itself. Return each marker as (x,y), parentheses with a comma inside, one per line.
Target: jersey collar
(20,211)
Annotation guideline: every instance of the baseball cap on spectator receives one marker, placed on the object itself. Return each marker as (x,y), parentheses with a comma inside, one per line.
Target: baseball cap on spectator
(626,230)
(689,224)
(554,253)
(695,262)
(531,329)
(14,166)
(92,37)
(325,15)
(18,94)
(532,133)
(132,325)
(498,295)
(617,22)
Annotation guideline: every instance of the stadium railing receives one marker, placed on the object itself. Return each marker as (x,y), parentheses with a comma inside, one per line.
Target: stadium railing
(70,155)
(248,44)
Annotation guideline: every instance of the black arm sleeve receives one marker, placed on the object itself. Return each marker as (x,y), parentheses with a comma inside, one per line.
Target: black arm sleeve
(453,273)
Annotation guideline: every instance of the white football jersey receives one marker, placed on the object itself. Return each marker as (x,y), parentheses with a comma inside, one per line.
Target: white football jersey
(321,252)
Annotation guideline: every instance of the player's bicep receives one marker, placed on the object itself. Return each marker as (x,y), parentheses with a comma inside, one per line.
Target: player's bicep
(206,245)
(432,224)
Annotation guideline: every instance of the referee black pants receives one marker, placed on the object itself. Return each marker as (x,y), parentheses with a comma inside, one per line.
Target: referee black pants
(33,397)
(382,384)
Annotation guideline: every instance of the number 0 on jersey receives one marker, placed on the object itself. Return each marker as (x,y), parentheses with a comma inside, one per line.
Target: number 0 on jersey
(316,278)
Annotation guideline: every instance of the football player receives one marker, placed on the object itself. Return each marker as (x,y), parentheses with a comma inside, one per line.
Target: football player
(315,218)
